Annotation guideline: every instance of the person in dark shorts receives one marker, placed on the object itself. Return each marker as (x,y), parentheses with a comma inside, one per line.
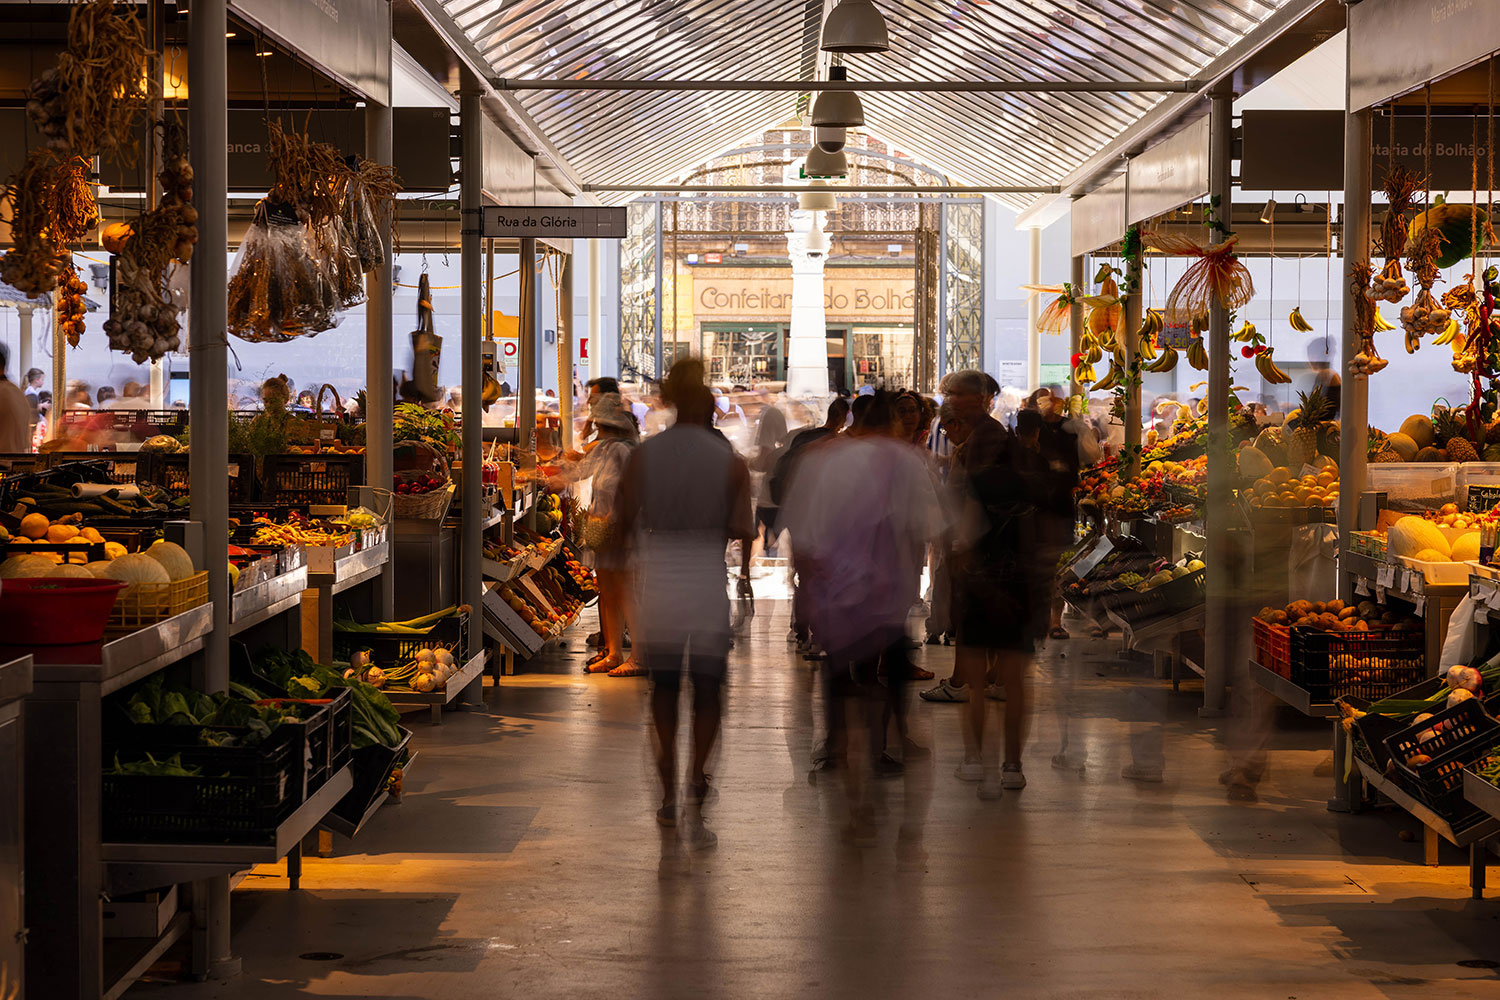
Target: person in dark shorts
(685,495)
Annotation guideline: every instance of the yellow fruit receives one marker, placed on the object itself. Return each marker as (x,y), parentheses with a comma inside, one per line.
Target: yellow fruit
(34,525)
(59,533)
(114,550)
(1279,475)
(92,535)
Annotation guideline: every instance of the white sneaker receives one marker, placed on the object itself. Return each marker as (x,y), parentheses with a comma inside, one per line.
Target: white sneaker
(970,770)
(946,690)
(1011,777)
(791,636)
(995,692)
(991,787)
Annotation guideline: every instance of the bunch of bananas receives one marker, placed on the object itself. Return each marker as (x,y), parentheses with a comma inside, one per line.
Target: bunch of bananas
(1152,324)
(1268,369)
(1165,362)
(1245,334)
(1382,325)
(1297,322)
(1197,354)
(1450,332)
(1115,377)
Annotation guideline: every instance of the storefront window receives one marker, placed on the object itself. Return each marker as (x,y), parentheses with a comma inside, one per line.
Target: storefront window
(638,294)
(963,277)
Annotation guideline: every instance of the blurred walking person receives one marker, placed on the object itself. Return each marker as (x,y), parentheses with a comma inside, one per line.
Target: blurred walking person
(604,463)
(685,495)
(861,565)
(999,590)
(15,411)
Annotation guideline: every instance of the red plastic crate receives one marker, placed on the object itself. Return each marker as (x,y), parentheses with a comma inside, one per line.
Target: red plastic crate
(1273,648)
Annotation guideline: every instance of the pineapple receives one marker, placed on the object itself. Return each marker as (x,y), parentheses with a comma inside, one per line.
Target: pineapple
(1302,442)
(1452,430)
(1379,449)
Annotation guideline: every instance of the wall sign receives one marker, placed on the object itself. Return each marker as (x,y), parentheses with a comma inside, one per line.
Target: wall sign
(1098,218)
(1396,46)
(1170,174)
(579,222)
(351,39)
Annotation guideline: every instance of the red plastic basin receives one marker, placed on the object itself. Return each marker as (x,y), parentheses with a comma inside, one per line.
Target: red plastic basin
(45,611)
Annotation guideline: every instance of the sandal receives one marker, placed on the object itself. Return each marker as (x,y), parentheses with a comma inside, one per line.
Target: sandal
(1058,632)
(921,673)
(629,668)
(603,654)
(604,665)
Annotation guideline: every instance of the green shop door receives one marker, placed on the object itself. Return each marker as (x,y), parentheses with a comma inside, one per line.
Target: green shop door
(743,353)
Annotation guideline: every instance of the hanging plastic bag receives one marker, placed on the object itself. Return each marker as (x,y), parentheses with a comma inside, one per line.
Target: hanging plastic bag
(277,292)
(426,350)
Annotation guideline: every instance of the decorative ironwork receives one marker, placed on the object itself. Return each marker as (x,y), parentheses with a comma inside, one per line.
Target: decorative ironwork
(963,273)
(638,253)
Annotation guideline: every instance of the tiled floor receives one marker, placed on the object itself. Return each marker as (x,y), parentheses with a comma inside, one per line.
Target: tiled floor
(524,862)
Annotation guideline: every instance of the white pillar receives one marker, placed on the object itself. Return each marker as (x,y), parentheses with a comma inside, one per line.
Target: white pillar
(161,371)
(596,313)
(24,348)
(807,352)
(1033,312)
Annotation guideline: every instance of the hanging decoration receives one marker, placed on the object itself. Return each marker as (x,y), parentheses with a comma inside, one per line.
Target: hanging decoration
(1105,308)
(1217,276)
(1368,361)
(1053,318)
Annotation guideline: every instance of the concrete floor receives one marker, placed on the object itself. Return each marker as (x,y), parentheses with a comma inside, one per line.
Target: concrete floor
(524,862)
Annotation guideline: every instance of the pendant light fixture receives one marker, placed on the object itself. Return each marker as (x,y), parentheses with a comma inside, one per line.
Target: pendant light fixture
(817,198)
(821,163)
(855,26)
(838,108)
(817,242)
(830,138)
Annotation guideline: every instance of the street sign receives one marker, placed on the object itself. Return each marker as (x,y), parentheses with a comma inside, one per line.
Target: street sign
(554,222)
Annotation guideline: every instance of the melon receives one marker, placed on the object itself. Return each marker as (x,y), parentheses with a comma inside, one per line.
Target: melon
(173,558)
(1412,535)
(1466,547)
(21,567)
(1428,455)
(1430,556)
(1253,463)
(1419,429)
(1403,445)
(71,570)
(135,568)
(97,568)
(114,550)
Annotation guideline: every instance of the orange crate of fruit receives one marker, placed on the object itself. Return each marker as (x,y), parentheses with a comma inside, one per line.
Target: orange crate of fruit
(1273,648)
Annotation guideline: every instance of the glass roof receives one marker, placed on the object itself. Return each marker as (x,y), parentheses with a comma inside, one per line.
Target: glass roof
(651,137)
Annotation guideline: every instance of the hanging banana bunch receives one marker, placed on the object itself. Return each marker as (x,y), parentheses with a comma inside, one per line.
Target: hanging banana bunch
(1092,353)
(1452,330)
(1268,368)
(1245,334)
(1197,354)
(1382,325)
(1115,377)
(1165,362)
(1297,322)
(1151,327)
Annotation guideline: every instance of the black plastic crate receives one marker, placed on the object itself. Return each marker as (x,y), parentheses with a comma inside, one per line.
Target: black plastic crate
(1370,665)
(1181,594)
(311,478)
(371,767)
(393,650)
(1463,735)
(120,466)
(16,463)
(242,795)
(328,734)
(172,472)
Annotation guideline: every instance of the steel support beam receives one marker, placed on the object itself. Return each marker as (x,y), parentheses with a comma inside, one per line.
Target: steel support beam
(1219,582)
(503,84)
(800,188)
(379,363)
(526,348)
(596,311)
(1075,325)
(471,327)
(208,375)
(1132,321)
(565,351)
(1033,311)
(1355,395)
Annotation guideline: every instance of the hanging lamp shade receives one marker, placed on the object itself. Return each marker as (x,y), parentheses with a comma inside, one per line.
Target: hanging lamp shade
(855,26)
(838,108)
(821,163)
(817,198)
(830,138)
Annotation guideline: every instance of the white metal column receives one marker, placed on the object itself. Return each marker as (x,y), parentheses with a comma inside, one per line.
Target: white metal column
(596,313)
(471,278)
(1218,585)
(1033,310)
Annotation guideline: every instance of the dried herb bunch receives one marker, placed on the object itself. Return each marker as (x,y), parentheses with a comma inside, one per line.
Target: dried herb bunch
(38,251)
(102,78)
(1401,186)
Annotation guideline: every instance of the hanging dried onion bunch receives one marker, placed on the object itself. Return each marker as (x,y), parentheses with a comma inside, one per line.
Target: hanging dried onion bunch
(145,319)
(1217,276)
(1368,361)
(103,79)
(1401,186)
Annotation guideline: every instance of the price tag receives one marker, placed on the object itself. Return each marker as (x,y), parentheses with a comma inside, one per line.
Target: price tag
(1492,600)
(234,470)
(1379,594)
(325,433)
(1405,580)
(1362,586)
(317,467)
(125,469)
(1420,604)
(1386,576)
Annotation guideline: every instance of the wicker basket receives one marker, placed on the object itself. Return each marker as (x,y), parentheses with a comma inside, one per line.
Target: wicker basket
(422,506)
(149,603)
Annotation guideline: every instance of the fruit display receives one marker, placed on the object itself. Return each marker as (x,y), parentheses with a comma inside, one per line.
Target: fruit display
(1165,573)
(545,623)
(421,483)
(581,575)
(66,548)
(299,529)
(1336,616)
(1446,536)
(1280,488)
(549,511)
(500,551)
(1447,435)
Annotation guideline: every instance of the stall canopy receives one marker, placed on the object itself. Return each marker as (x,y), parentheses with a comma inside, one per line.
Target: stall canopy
(1026,139)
